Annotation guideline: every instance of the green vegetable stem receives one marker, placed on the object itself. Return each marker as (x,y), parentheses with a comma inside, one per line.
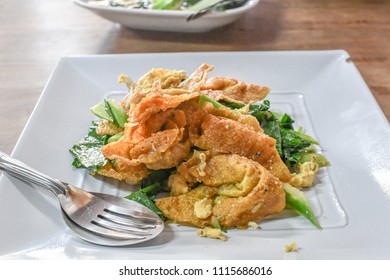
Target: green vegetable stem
(150,186)
(141,196)
(296,200)
(111,110)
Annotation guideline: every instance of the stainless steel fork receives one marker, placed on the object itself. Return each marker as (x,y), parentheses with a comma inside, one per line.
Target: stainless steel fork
(100,218)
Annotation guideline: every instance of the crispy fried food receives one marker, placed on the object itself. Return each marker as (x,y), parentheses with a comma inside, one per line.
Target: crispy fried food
(235,179)
(155,135)
(267,198)
(118,151)
(234,189)
(132,174)
(165,78)
(159,91)
(157,143)
(172,156)
(197,80)
(151,148)
(222,135)
(170,134)
(180,209)
(106,127)
(194,116)
(137,132)
(133,134)
(233,175)
(178,184)
(124,168)
(159,100)
(240,116)
(235,90)
(166,148)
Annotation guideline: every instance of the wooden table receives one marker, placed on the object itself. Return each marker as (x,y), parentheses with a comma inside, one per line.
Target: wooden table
(34,35)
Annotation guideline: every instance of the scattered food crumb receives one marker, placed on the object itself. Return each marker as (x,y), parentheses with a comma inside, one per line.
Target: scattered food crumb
(211,233)
(292,247)
(253,225)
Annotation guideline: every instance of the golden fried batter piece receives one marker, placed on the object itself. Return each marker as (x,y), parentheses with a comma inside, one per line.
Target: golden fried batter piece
(233,175)
(235,190)
(267,198)
(178,184)
(167,147)
(180,209)
(158,100)
(151,148)
(197,79)
(222,135)
(124,168)
(155,135)
(133,134)
(194,117)
(240,116)
(172,156)
(170,134)
(236,90)
(165,78)
(154,93)
(158,143)
(106,127)
(137,132)
(118,151)
(123,171)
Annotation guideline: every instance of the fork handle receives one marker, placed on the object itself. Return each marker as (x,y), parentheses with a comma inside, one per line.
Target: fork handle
(27,174)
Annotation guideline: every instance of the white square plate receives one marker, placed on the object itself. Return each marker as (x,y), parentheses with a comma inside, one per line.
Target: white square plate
(321,90)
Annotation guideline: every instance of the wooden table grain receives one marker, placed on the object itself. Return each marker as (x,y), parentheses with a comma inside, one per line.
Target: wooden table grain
(34,35)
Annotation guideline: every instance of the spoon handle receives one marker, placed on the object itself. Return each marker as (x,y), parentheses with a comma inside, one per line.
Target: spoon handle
(27,174)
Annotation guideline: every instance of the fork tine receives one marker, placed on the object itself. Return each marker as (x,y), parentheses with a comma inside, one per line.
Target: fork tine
(130,213)
(125,221)
(109,224)
(106,231)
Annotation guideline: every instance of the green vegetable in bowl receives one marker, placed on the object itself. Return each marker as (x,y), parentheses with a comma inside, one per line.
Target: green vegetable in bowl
(184,5)
(202,4)
(166,4)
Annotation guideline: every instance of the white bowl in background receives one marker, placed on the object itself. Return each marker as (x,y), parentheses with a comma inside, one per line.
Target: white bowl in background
(167,20)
